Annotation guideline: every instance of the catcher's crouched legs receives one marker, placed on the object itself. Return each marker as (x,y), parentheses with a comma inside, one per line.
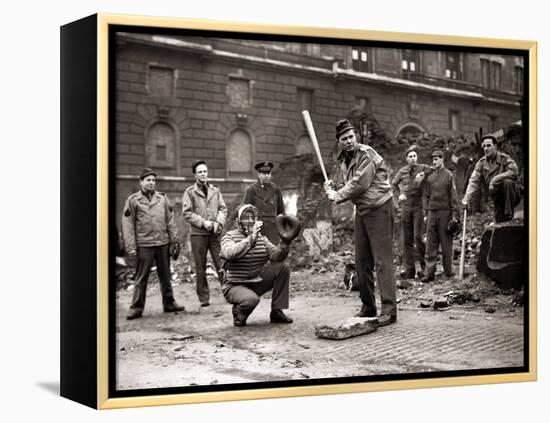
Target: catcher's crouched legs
(276,276)
(244,301)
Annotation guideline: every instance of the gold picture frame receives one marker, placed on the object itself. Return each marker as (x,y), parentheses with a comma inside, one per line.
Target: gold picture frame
(88,52)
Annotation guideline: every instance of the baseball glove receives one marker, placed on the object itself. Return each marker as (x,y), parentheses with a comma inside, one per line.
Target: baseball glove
(288,227)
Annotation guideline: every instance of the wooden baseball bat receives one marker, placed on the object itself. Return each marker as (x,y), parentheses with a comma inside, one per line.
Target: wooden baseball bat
(313,138)
(463,247)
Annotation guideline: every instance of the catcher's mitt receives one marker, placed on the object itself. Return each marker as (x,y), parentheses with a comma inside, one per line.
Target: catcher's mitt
(288,227)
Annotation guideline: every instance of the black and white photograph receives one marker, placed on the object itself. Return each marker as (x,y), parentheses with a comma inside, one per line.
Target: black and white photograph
(293,211)
(388,272)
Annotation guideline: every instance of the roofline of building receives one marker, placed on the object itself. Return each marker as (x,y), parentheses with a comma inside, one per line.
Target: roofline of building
(335,72)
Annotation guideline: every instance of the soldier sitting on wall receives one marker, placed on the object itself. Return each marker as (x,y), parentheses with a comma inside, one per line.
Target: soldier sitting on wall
(498,173)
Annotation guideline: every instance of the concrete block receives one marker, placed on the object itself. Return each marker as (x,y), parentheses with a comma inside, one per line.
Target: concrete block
(354,326)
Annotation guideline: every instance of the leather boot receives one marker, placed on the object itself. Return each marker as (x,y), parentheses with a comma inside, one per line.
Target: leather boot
(277,316)
(239,319)
(173,307)
(134,313)
(364,312)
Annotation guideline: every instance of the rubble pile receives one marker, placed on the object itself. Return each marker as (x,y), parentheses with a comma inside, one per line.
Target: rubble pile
(301,176)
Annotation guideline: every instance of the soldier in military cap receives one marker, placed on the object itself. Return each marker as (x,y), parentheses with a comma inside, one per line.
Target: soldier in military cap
(409,195)
(497,172)
(205,210)
(267,198)
(150,235)
(367,186)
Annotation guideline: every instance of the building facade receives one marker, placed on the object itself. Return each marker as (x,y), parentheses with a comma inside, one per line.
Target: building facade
(235,102)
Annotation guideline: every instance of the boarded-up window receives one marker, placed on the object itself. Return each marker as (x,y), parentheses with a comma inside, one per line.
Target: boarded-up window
(160,149)
(161,81)
(303,145)
(239,154)
(239,92)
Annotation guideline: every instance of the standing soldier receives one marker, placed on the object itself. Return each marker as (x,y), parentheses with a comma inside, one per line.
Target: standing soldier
(497,173)
(267,198)
(440,205)
(412,215)
(367,185)
(150,234)
(203,207)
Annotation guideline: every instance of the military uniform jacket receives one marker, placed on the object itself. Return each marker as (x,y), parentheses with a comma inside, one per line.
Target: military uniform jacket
(487,171)
(148,223)
(366,177)
(196,207)
(404,183)
(268,199)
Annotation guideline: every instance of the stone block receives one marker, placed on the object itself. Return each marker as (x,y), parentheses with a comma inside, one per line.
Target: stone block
(319,239)
(501,255)
(354,326)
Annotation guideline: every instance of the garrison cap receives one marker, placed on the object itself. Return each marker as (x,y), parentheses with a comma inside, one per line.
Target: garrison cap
(146,172)
(413,147)
(437,153)
(196,163)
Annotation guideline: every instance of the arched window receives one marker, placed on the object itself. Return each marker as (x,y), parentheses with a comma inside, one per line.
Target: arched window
(410,130)
(160,147)
(303,145)
(239,154)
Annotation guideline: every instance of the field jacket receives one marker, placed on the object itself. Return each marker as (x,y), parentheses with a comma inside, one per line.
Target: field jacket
(196,208)
(148,222)
(404,183)
(486,171)
(366,179)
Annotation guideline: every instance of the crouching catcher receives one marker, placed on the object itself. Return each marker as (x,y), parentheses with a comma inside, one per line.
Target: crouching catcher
(254,266)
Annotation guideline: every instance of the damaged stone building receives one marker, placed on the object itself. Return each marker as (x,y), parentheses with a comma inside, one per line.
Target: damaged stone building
(233,102)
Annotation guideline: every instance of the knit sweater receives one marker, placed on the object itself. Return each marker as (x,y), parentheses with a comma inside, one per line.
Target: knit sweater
(440,192)
(244,260)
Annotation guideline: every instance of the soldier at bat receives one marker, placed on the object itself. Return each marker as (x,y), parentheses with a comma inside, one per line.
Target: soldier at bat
(367,185)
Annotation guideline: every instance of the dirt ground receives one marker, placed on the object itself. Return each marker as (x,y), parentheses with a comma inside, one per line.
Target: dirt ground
(446,325)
